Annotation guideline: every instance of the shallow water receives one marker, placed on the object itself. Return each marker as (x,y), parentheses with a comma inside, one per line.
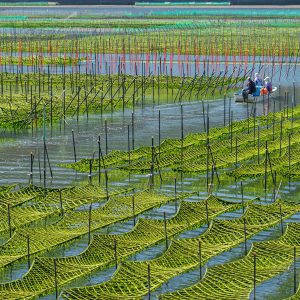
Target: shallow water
(281,70)
(15,153)
(15,149)
(279,287)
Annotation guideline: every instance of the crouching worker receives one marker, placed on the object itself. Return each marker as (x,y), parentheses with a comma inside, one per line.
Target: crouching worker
(264,91)
(250,89)
(268,84)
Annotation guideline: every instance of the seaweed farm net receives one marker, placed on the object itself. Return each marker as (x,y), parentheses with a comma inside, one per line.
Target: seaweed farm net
(183,255)
(247,148)
(59,70)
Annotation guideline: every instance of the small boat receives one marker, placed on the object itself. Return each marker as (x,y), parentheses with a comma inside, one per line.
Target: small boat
(256,97)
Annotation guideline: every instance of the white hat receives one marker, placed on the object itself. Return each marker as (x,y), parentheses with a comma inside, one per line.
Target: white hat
(267,79)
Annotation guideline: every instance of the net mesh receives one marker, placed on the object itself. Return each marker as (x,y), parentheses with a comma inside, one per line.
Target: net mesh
(100,253)
(131,279)
(76,223)
(235,280)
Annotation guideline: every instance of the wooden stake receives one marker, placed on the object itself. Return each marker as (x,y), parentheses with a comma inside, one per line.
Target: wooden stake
(231,127)
(289,153)
(149,282)
(224,111)
(277,192)
(28,251)
(203,115)
(48,160)
(9,220)
(258,142)
(151,179)
(128,143)
(281,221)
(295,271)
(245,236)
(242,192)
(165,228)
(207,169)
(254,275)
(132,130)
(200,259)
(44,140)
(181,118)
(206,211)
(175,192)
(133,210)
(115,253)
(74,148)
(213,163)
(90,173)
(89,224)
(106,185)
(99,160)
(55,279)
(236,152)
(254,126)
(31,169)
(281,121)
(266,169)
(159,135)
(105,128)
(61,204)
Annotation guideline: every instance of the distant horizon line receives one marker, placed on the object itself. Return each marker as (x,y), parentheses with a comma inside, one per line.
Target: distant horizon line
(214,3)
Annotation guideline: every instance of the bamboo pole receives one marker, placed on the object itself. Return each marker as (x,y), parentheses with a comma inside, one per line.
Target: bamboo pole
(200,259)
(165,229)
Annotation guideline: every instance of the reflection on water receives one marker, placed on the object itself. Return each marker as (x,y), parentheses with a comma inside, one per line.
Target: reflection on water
(15,153)
(152,64)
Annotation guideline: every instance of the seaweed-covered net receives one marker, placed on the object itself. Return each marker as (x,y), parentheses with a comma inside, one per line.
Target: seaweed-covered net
(235,280)
(244,146)
(14,198)
(131,279)
(100,252)
(32,203)
(77,223)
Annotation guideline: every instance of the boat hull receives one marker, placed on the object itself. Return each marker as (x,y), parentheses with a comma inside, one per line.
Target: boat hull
(238,97)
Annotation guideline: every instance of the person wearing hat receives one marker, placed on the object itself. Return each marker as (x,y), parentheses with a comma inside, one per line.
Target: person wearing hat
(251,88)
(258,81)
(268,84)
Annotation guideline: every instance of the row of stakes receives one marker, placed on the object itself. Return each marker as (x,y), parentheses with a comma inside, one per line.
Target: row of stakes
(206,125)
(89,223)
(84,97)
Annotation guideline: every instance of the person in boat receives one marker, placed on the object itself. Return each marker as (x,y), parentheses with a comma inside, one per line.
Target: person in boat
(268,84)
(258,80)
(250,89)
